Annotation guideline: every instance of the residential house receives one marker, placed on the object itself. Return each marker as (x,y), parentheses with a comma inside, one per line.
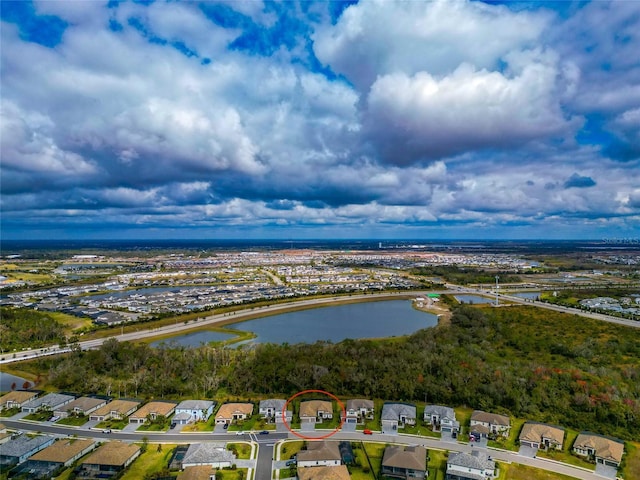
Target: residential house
(334,472)
(604,450)
(16,399)
(108,460)
(475,466)
(315,411)
(116,409)
(484,424)
(198,472)
(152,411)
(271,409)
(234,412)
(442,419)
(18,449)
(540,435)
(397,415)
(212,454)
(50,402)
(80,406)
(189,411)
(404,461)
(47,463)
(320,453)
(359,410)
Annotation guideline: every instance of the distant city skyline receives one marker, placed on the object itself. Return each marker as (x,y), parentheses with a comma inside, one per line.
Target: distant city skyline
(310,120)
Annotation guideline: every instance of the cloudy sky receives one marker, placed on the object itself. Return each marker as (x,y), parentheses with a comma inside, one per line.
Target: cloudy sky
(286,120)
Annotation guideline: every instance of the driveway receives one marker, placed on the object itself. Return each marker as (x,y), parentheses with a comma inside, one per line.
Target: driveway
(527,451)
(219,428)
(606,471)
(349,427)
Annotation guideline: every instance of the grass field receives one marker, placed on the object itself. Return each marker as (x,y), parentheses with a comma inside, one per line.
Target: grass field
(290,448)
(437,465)
(242,449)
(151,461)
(631,461)
(520,472)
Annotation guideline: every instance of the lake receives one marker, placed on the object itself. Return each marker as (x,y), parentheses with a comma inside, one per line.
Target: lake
(527,295)
(473,299)
(382,319)
(6,380)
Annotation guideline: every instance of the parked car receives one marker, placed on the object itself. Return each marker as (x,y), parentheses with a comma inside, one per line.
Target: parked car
(264,432)
(366,431)
(226,425)
(290,462)
(106,430)
(240,433)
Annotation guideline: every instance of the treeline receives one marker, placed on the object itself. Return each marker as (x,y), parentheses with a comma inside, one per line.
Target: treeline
(464,276)
(531,363)
(23,327)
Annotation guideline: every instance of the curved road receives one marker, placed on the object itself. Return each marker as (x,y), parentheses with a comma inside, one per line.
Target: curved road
(212,320)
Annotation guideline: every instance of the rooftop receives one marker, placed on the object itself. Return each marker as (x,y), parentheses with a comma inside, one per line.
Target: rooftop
(393,411)
(210,452)
(320,451)
(310,408)
(336,472)
(112,453)
(121,406)
(195,405)
(62,451)
(19,396)
(227,410)
(492,418)
(410,457)
(605,447)
(158,408)
(534,432)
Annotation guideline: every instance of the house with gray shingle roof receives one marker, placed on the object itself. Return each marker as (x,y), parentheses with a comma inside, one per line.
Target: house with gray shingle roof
(475,466)
(271,409)
(404,461)
(358,410)
(17,450)
(397,415)
(213,454)
(189,411)
(80,406)
(441,419)
(484,424)
(52,459)
(321,453)
(52,402)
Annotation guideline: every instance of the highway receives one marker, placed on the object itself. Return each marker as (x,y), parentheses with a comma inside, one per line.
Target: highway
(216,319)
(267,444)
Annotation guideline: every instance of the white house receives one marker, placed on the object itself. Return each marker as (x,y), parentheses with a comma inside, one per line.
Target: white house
(462,466)
(271,409)
(189,411)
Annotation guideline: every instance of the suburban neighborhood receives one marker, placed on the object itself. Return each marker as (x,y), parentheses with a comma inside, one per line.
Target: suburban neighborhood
(44,456)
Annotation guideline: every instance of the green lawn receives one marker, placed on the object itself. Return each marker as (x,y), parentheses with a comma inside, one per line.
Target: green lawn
(230,474)
(73,421)
(290,448)
(631,461)
(519,472)
(241,449)
(437,465)
(151,461)
(113,424)
(41,416)
(9,412)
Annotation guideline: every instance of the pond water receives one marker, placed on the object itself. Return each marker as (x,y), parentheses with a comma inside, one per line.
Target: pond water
(195,339)
(473,299)
(527,295)
(6,380)
(358,320)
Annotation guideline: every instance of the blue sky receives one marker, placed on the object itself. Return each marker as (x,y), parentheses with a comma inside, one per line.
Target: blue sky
(379,119)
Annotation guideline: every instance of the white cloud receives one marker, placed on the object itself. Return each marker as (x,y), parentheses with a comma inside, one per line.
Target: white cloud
(421,116)
(377,38)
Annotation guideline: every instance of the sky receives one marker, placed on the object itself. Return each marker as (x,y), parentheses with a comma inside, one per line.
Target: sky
(376,119)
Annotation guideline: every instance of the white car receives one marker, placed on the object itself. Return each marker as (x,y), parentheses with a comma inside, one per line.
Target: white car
(240,433)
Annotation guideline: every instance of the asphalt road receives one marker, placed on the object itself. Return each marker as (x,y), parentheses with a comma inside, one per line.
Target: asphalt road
(266,445)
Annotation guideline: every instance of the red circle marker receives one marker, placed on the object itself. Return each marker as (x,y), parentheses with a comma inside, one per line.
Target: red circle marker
(305,437)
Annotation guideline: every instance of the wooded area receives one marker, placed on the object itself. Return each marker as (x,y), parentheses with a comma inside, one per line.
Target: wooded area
(529,362)
(22,327)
